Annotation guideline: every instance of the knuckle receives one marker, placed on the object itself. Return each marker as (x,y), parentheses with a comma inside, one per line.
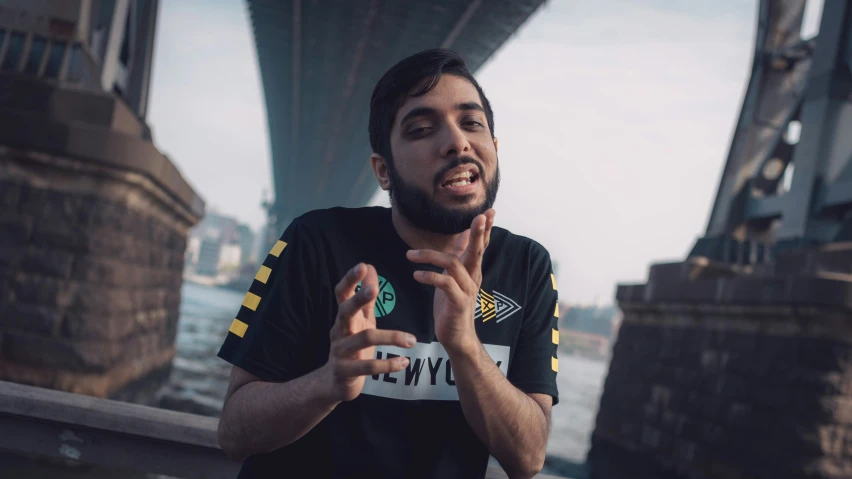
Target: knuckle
(370,337)
(364,338)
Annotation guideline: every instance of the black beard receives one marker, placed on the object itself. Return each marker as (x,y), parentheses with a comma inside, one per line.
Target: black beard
(424,213)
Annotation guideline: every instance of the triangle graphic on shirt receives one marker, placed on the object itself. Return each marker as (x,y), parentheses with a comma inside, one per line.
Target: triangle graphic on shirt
(505,306)
(497,306)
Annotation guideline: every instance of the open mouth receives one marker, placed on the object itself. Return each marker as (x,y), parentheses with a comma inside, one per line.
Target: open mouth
(456,179)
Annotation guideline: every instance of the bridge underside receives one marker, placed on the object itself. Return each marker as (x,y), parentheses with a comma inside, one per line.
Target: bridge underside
(319,61)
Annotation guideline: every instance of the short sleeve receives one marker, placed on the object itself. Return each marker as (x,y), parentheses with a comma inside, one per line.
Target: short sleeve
(272,327)
(534,365)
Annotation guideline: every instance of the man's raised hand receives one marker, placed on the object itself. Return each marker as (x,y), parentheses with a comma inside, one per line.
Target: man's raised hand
(354,336)
(456,289)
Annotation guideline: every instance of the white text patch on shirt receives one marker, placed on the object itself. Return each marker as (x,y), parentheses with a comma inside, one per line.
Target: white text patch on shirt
(429,374)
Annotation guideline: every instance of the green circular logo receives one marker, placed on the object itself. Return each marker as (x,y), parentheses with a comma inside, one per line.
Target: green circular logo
(386,299)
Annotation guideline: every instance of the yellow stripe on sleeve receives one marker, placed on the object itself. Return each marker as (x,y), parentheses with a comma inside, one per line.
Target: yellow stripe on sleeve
(238,327)
(251,301)
(555,336)
(278,248)
(263,274)
(554,364)
(553,280)
(556,311)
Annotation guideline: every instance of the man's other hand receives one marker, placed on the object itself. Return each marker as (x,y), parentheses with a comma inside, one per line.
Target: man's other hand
(354,336)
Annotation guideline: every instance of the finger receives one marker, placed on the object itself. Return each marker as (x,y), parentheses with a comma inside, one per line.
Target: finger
(472,257)
(351,368)
(365,297)
(372,337)
(346,287)
(489,215)
(443,282)
(461,243)
(371,280)
(451,263)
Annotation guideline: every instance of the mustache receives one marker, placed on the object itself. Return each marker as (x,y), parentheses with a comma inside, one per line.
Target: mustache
(464,160)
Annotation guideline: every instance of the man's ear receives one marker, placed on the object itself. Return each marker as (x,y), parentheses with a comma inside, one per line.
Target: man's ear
(496,147)
(380,169)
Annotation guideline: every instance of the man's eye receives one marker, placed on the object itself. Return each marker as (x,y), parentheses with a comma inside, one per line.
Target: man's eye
(473,123)
(420,130)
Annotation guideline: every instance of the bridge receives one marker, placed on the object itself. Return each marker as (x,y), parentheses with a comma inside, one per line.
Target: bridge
(319,62)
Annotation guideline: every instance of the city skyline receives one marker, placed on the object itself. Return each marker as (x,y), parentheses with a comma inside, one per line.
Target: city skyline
(614,121)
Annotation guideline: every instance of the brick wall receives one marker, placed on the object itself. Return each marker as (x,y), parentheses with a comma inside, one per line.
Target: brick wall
(729,377)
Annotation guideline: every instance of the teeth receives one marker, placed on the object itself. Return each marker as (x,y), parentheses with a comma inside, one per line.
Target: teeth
(465,174)
(459,179)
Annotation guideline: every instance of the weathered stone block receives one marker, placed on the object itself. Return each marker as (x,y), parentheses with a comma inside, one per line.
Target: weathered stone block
(42,290)
(17,229)
(39,350)
(11,195)
(93,384)
(10,255)
(95,298)
(39,319)
(48,262)
(78,355)
(824,354)
(112,326)
(66,236)
(107,272)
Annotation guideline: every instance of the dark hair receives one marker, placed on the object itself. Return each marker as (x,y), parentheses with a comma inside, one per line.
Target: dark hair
(423,69)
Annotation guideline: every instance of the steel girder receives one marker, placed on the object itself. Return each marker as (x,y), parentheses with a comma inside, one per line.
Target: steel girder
(793,80)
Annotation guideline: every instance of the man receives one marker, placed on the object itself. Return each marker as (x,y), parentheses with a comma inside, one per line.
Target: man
(403,342)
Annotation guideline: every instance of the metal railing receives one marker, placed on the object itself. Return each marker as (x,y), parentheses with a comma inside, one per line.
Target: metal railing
(61,425)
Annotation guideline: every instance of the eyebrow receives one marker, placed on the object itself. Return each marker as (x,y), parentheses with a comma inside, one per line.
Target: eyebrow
(426,110)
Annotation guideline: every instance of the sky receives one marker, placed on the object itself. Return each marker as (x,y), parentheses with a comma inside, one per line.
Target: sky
(614,119)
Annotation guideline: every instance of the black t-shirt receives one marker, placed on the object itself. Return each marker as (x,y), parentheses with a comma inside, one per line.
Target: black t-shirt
(410,423)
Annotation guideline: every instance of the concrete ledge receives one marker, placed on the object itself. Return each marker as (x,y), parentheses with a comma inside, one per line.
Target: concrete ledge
(669,284)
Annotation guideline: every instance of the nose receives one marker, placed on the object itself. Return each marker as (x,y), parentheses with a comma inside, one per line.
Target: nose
(454,142)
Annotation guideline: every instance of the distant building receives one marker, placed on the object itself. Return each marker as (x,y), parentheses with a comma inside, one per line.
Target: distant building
(220,227)
(218,245)
(596,320)
(246,240)
(578,343)
(259,247)
(209,251)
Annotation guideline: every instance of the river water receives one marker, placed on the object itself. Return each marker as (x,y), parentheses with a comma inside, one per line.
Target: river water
(199,379)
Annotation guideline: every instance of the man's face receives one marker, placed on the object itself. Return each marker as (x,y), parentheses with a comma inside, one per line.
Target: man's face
(445,169)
